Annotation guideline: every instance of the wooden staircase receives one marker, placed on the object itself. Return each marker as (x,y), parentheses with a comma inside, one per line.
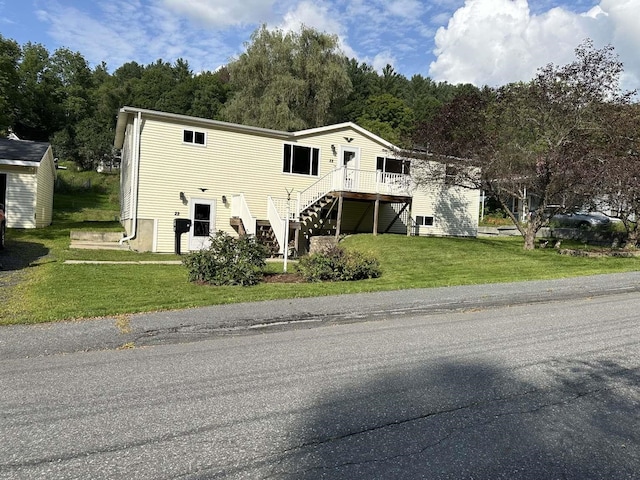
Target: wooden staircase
(315,219)
(266,236)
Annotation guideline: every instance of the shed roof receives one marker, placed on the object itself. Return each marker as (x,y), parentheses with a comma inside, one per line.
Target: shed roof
(22,152)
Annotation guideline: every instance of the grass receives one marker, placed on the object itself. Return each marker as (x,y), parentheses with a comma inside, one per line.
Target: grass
(50,290)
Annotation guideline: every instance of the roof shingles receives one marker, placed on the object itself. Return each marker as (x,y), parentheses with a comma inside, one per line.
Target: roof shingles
(22,150)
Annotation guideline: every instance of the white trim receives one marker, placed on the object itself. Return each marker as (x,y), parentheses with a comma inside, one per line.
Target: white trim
(135,172)
(154,241)
(20,163)
(345,126)
(194,143)
(125,111)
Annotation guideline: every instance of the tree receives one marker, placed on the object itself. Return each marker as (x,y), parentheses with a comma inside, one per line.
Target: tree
(617,178)
(39,111)
(211,91)
(388,117)
(288,81)
(533,142)
(10,54)
(364,82)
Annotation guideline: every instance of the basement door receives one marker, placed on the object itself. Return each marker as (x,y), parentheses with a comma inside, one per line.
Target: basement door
(202,214)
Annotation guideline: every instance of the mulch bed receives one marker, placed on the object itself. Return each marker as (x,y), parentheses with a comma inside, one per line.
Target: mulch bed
(283,278)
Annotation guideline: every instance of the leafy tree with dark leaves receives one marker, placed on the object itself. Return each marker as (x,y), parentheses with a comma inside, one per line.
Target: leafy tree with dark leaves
(532,142)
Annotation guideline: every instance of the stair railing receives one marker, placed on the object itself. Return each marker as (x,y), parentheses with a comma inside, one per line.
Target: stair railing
(330,182)
(240,209)
(277,224)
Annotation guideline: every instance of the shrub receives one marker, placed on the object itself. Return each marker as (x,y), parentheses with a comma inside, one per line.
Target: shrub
(227,261)
(338,264)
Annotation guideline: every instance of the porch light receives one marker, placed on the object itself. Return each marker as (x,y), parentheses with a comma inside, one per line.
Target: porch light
(333,149)
(224,199)
(183,197)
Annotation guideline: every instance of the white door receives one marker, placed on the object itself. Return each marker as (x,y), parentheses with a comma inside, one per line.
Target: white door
(202,213)
(351,162)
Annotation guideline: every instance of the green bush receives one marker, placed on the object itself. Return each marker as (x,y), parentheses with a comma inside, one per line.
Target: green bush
(338,264)
(227,261)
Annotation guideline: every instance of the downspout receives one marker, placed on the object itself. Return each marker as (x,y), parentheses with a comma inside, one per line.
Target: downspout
(135,167)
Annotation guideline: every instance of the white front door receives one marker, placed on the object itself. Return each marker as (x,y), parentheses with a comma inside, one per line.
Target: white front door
(351,163)
(202,214)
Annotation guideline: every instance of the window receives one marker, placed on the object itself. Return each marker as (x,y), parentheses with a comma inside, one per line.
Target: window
(394,165)
(191,136)
(301,160)
(424,221)
(201,220)
(450,175)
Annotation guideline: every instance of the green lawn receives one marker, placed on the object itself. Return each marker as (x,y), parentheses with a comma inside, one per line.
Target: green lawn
(51,290)
(55,291)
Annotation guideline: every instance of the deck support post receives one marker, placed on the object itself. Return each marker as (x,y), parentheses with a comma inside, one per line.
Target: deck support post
(376,213)
(339,220)
(410,221)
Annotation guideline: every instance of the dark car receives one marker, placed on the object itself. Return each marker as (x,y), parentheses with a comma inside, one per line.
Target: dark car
(3,226)
(581,220)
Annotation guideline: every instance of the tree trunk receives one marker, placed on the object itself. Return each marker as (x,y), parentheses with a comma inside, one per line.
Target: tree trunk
(633,238)
(529,233)
(529,239)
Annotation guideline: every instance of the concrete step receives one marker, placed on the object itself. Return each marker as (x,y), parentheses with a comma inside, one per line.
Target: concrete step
(88,236)
(97,245)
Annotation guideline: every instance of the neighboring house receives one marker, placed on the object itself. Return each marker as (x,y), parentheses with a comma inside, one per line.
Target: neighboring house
(223,176)
(27,176)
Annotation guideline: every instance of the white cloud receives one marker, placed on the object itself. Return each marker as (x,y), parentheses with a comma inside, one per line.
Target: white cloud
(499,41)
(223,13)
(620,28)
(312,14)
(132,30)
(407,9)
(322,17)
(381,60)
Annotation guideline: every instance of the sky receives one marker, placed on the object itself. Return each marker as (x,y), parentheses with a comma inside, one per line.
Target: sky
(484,42)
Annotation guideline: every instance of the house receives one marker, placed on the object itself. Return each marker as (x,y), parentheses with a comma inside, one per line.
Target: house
(241,179)
(27,177)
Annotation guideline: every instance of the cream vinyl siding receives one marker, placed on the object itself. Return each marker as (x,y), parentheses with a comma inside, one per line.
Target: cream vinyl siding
(249,161)
(230,163)
(455,210)
(21,197)
(45,179)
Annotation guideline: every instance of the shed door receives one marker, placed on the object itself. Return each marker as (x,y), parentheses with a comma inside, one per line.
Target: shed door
(202,214)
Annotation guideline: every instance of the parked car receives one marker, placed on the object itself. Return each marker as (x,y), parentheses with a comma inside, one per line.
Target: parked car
(3,226)
(581,220)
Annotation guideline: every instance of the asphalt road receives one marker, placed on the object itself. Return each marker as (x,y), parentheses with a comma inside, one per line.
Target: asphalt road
(457,385)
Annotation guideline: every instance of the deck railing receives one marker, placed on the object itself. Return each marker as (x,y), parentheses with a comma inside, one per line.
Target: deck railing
(345,179)
(240,209)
